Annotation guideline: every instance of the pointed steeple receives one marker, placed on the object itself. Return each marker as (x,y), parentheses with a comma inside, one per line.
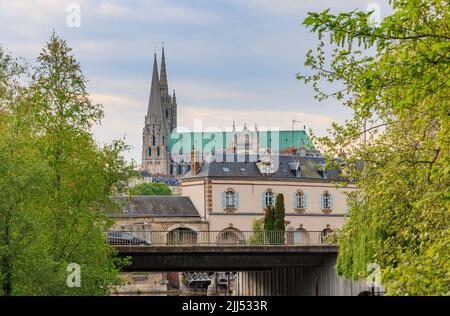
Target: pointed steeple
(174,97)
(154,111)
(163,76)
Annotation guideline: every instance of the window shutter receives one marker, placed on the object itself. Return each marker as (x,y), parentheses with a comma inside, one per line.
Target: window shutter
(305,200)
(331,201)
(224,203)
(263,200)
(294,200)
(236,202)
(321,201)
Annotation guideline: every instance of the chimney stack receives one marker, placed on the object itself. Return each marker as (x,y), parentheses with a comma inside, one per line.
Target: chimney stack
(195,162)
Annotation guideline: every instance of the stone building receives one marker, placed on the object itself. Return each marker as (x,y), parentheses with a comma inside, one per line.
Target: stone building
(232,195)
(160,120)
(166,151)
(158,220)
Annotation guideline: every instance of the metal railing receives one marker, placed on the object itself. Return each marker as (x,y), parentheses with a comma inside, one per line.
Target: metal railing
(180,237)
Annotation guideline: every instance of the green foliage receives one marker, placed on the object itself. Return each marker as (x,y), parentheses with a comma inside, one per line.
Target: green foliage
(269,218)
(258,236)
(395,79)
(274,221)
(151,189)
(279,219)
(55,181)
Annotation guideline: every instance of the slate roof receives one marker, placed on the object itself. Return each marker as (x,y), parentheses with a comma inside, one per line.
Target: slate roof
(156,206)
(310,169)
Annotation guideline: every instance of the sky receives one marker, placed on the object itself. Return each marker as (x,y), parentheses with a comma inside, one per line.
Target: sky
(228,60)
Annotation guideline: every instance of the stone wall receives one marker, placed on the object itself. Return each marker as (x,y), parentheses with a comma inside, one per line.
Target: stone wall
(143,283)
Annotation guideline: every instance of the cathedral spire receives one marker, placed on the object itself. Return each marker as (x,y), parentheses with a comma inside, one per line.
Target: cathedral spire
(154,111)
(163,76)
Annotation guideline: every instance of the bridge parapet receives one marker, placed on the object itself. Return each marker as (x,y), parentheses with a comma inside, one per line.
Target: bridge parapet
(182,237)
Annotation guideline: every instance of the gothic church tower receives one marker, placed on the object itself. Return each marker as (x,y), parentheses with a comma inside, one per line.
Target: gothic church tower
(160,120)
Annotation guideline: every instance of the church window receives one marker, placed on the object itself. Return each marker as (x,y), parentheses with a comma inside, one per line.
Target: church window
(158,152)
(149,151)
(153,140)
(163,140)
(167,113)
(180,169)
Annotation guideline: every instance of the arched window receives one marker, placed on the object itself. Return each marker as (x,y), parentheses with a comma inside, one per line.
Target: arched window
(325,233)
(301,237)
(326,201)
(153,140)
(267,198)
(230,236)
(230,199)
(149,151)
(182,236)
(299,200)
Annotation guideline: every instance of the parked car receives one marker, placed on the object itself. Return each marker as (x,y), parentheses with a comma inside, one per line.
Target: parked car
(123,238)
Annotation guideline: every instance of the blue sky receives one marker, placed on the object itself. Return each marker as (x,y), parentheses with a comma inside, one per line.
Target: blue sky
(227,59)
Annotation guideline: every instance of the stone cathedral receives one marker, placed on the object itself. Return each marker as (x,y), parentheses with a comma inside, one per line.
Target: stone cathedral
(160,136)
(160,120)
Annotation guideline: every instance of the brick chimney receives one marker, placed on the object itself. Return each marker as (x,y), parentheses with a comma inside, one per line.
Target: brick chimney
(290,151)
(195,162)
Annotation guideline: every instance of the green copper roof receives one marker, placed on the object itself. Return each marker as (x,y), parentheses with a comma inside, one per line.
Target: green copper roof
(270,139)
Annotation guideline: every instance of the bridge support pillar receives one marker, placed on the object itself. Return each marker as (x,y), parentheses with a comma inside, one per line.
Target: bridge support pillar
(298,281)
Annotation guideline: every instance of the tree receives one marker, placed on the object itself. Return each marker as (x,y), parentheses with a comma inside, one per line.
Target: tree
(395,79)
(279,218)
(151,189)
(55,181)
(20,173)
(269,218)
(258,236)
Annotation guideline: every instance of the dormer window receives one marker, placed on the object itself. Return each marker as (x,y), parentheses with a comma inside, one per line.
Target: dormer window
(266,166)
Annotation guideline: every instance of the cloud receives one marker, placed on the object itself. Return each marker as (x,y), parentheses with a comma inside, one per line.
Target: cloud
(204,91)
(152,11)
(300,8)
(223,118)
